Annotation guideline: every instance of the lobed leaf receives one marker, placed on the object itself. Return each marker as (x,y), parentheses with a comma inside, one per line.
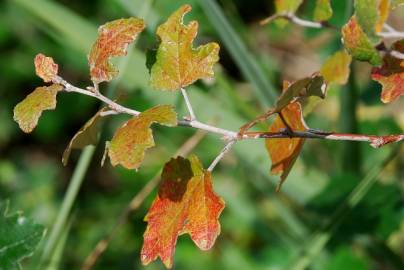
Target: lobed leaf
(19,237)
(358,44)
(371,15)
(323,10)
(130,142)
(178,64)
(113,40)
(45,67)
(28,111)
(284,152)
(186,203)
(391,75)
(336,68)
(87,135)
(306,87)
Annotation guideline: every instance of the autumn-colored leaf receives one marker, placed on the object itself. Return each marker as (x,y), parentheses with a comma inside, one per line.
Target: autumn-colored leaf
(306,87)
(130,142)
(284,152)
(323,10)
(45,67)
(87,135)
(391,75)
(28,111)
(371,15)
(178,64)
(358,44)
(186,203)
(336,68)
(113,40)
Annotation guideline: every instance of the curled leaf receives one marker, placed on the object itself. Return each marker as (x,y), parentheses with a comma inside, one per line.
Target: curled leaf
(323,10)
(186,203)
(87,135)
(358,44)
(28,111)
(130,142)
(45,67)
(391,75)
(284,152)
(336,68)
(178,64)
(113,40)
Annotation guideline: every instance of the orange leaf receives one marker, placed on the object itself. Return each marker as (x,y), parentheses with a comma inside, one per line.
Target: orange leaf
(130,142)
(284,152)
(113,40)
(391,75)
(45,67)
(28,111)
(186,203)
(178,64)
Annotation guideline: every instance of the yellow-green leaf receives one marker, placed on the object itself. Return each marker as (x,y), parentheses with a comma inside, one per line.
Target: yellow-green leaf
(130,142)
(358,44)
(45,67)
(336,68)
(322,11)
(286,6)
(113,40)
(28,111)
(87,135)
(178,64)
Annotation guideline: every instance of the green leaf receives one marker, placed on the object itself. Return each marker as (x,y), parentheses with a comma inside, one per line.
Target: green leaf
(358,44)
(19,238)
(178,64)
(28,111)
(323,10)
(130,142)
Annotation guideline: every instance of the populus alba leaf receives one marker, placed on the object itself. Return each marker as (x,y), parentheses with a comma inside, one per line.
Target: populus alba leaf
(391,75)
(87,135)
(284,152)
(45,67)
(336,68)
(323,10)
(113,40)
(371,15)
(358,44)
(130,142)
(28,111)
(19,237)
(186,203)
(178,64)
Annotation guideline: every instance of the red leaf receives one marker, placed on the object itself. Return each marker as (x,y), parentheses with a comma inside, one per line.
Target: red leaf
(45,67)
(186,203)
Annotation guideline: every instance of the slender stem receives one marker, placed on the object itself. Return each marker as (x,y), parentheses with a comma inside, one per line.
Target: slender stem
(391,32)
(229,135)
(71,194)
(293,18)
(188,103)
(221,155)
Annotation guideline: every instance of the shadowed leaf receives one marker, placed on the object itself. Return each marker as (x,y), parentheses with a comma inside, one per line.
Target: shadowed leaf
(130,142)
(336,68)
(186,203)
(178,64)
(391,75)
(322,11)
(87,135)
(358,44)
(45,67)
(19,238)
(284,152)
(28,111)
(113,40)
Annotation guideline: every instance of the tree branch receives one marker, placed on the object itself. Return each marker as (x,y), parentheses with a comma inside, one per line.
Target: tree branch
(221,155)
(293,18)
(188,103)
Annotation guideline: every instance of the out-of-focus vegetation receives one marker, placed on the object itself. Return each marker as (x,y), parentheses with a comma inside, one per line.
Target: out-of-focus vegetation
(313,223)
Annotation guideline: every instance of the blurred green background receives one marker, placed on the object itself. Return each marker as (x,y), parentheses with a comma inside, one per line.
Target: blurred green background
(340,208)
